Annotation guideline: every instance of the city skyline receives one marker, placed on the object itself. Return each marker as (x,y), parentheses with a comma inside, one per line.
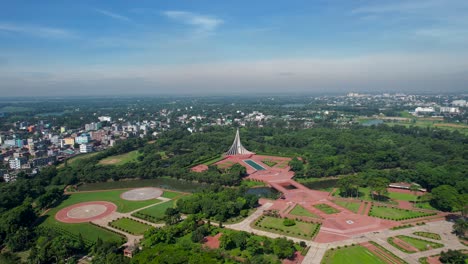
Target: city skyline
(86,48)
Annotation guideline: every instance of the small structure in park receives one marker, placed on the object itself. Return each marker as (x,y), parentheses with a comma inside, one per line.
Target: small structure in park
(237,148)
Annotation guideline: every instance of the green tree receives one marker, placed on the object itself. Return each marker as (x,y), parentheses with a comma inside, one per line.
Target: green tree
(452,257)
(445,198)
(378,185)
(460,228)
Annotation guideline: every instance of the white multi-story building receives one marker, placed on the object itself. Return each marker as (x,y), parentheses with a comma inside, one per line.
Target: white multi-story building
(451,110)
(85,148)
(105,118)
(16,163)
(424,110)
(461,103)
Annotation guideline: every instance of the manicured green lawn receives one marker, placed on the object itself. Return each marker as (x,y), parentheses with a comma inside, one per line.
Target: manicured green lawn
(154,213)
(396,214)
(402,196)
(121,159)
(301,211)
(425,205)
(420,244)
(275,225)
(213,160)
(170,194)
(326,208)
(269,163)
(250,184)
(351,255)
(88,231)
(130,226)
(123,206)
(352,206)
(428,235)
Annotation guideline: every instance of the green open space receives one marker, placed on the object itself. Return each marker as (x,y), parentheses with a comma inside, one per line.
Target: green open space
(213,160)
(428,235)
(396,214)
(424,205)
(269,162)
(402,196)
(154,213)
(130,226)
(351,255)
(275,225)
(73,161)
(88,231)
(121,159)
(420,244)
(250,184)
(352,206)
(123,206)
(170,194)
(365,194)
(301,211)
(326,208)
(226,164)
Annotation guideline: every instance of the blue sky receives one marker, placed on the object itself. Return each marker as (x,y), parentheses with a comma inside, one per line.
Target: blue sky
(201,47)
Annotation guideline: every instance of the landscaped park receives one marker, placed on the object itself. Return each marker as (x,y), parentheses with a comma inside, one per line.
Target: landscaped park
(108,214)
(340,226)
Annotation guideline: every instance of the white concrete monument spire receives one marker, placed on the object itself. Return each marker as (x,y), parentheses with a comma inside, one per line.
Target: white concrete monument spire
(237,148)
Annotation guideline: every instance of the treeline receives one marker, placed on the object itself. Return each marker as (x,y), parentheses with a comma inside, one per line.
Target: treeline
(218,203)
(428,156)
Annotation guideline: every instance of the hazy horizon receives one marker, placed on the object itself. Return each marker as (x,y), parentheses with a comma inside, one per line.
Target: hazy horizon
(71,48)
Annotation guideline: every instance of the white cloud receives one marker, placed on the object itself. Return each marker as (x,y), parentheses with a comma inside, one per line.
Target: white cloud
(113,15)
(202,23)
(40,31)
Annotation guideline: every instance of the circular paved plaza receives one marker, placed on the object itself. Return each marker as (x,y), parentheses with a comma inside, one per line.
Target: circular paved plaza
(85,212)
(141,194)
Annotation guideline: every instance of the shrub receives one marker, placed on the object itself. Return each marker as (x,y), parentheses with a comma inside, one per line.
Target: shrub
(289,222)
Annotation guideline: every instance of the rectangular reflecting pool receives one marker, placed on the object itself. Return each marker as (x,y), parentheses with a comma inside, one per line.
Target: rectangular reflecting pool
(254,165)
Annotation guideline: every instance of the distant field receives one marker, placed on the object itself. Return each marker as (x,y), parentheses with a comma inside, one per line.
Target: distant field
(72,161)
(121,159)
(14,109)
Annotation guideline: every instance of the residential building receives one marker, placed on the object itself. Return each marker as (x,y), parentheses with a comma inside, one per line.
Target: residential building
(86,148)
(17,163)
(83,139)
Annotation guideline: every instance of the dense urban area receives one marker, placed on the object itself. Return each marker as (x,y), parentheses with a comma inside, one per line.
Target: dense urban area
(382,163)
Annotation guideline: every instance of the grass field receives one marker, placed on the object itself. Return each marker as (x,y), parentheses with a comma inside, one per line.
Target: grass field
(420,244)
(275,225)
(425,205)
(250,184)
(154,213)
(326,208)
(351,255)
(301,211)
(364,194)
(130,226)
(123,206)
(428,235)
(213,160)
(396,214)
(170,195)
(226,164)
(72,161)
(269,162)
(88,231)
(352,206)
(402,196)
(121,159)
